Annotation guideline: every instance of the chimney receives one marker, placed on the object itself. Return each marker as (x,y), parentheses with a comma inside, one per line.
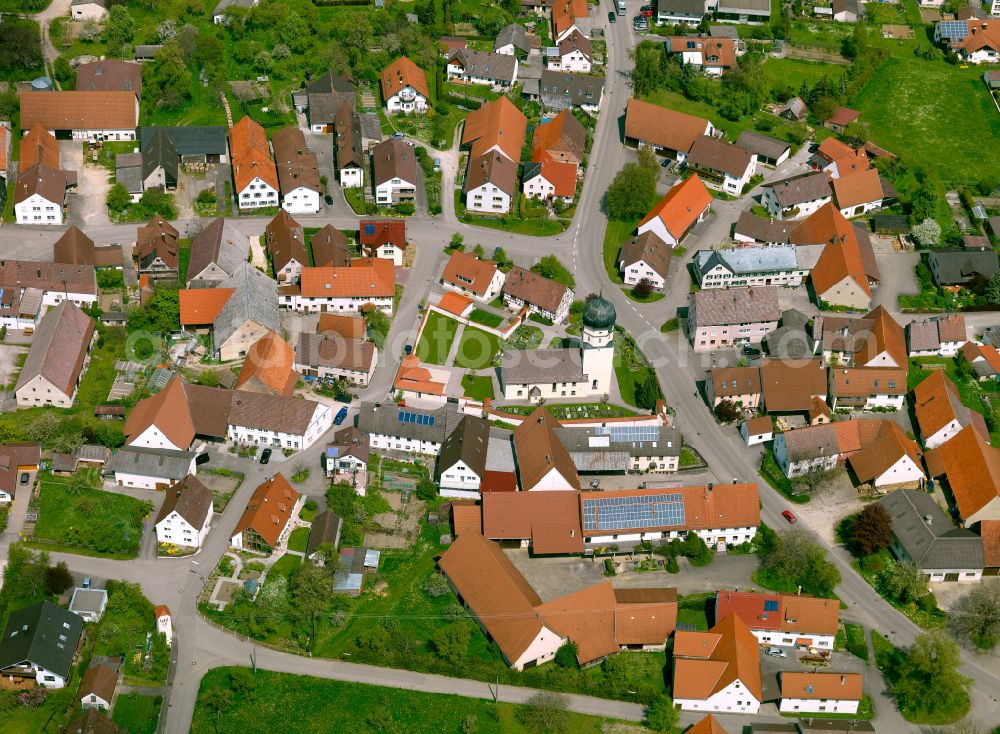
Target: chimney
(928,519)
(799,591)
(843,679)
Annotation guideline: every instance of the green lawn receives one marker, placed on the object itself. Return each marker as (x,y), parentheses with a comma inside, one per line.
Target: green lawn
(477,387)
(855,642)
(355,708)
(773,475)
(436,338)
(476,349)
(792,72)
(929,110)
(532,226)
(77,517)
(128,618)
(631,368)
(297,540)
(137,714)
(616,233)
(486,318)
(688,458)
(285,565)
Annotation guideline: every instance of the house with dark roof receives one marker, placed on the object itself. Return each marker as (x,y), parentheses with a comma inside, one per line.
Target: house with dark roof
(147,468)
(724,165)
(298,172)
(720,318)
(499,71)
(324,107)
(331,248)
(645,256)
(752,267)
(349,150)
(97,687)
(285,241)
(348,454)
(57,359)
(924,535)
(941,335)
(394,172)
(330,356)
(128,172)
(157,249)
(216,253)
(560,90)
(769,151)
(613,450)
(195,144)
(675,12)
(39,643)
(797,197)
(461,463)
(511,39)
(413,430)
(490,183)
(962,267)
(325,530)
(326,83)
(185,516)
(39,195)
(108,75)
(523,288)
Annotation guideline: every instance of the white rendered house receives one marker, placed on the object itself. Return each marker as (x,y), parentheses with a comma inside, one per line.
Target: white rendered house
(302,200)
(257,194)
(186,514)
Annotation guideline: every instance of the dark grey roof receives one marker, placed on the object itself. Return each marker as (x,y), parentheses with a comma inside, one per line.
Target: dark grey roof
(496,67)
(791,340)
(801,189)
(743,6)
(561,89)
(255,299)
(762,145)
(193,140)
(222,243)
(147,50)
(469,443)
(535,366)
(330,82)
(384,420)
(190,499)
(959,266)
(724,31)
(158,150)
(128,171)
(513,34)
(148,462)
(928,536)
(325,529)
(323,106)
(735,306)
(42,634)
(923,336)
(684,7)
(394,158)
(748,260)
(763,230)
(667,442)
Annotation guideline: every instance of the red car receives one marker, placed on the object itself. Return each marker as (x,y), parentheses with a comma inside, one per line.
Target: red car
(647,12)
(787,514)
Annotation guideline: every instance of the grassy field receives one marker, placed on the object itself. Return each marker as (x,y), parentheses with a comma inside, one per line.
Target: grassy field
(354,708)
(436,338)
(615,234)
(631,368)
(792,72)
(137,714)
(285,565)
(856,643)
(476,349)
(79,517)
(486,318)
(477,387)
(298,539)
(930,110)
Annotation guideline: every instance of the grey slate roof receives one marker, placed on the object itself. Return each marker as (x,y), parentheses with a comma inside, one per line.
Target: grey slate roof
(43,634)
(592,450)
(684,7)
(801,189)
(746,260)
(384,420)
(923,336)
(764,230)
(724,31)
(222,243)
(534,366)
(927,534)
(148,462)
(157,150)
(495,67)
(810,442)
(735,306)
(59,348)
(959,266)
(791,340)
(762,145)
(325,529)
(330,82)
(271,412)
(128,171)
(561,89)
(255,299)
(324,106)
(191,140)
(513,34)
(190,499)
(469,443)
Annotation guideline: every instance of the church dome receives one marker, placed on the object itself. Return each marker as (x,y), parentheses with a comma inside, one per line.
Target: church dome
(599,313)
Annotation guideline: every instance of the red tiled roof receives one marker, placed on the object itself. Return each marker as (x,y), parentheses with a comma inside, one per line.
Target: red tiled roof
(251,158)
(402,73)
(468,272)
(269,509)
(681,206)
(372,278)
(200,306)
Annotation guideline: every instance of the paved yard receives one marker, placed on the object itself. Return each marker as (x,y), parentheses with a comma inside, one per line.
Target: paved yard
(88,205)
(829,505)
(10,365)
(897,278)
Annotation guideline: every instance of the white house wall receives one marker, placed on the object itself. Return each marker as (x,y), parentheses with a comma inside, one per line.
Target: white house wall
(734,698)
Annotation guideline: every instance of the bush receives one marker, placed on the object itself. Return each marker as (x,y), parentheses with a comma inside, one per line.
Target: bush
(566,655)
(436,585)
(405,208)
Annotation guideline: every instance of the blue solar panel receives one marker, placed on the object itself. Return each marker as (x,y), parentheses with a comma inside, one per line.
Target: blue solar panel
(421,420)
(954,29)
(369,229)
(633,513)
(630,433)
(770,605)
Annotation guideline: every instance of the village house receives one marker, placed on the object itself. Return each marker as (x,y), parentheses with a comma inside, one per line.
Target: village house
(285,243)
(185,516)
(254,173)
(39,643)
(499,71)
(723,165)
(939,410)
(269,367)
(89,9)
(645,256)
(525,289)
(820,692)
(668,132)
(784,620)
(109,75)
(472,277)
(962,267)
(97,687)
(984,360)
(82,115)
(39,195)
(712,55)
(559,90)
(331,248)
(491,183)
(842,117)
(57,358)
(349,154)
(859,192)
(266,522)
(332,357)
(973,41)
(28,287)
(769,151)
(939,336)
(146,468)
(157,249)
(549,180)
(216,253)
(676,12)
(413,430)
(404,87)
(385,239)
(874,340)
(721,318)
(574,53)
(972,470)
(792,386)
(369,282)
(674,216)
(797,197)
(757,430)
(738,385)
(298,172)
(461,463)
(15,459)
(752,12)
(569,16)
(622,449)
(750,267)
(866,388)
(394,179)
(562,138)
(543,463)
(511,39)
(718,670)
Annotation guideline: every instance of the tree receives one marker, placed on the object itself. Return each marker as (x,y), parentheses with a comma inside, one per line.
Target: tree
(545,712)
(58,578)
(927,233)
(616,673)
(451,642)
(696,550)
(661,714)
(632,193)
(992,291)
(647,392)
(378,325)
(310,595)
(161,314)
(727,411)
(20,45)
(927,682)
(426,490)
(902,582)
(550,267)
(566,655)
(643,289)
(500,258)
(217,699)
(796,559)
(436,585)
(813,478)
(118,198)
(119,29)
(871,530)
(974,619)
(169,76)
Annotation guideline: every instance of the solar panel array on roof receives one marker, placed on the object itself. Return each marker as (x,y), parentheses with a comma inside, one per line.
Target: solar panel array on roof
(630,433)
(421,420)
(630,513)
(770,605)
(954,30)
(369,229)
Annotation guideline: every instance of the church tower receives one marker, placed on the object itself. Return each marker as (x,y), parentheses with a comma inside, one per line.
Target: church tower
(598,345)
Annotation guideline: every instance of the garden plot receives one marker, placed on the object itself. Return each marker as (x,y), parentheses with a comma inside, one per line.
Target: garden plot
(400,527)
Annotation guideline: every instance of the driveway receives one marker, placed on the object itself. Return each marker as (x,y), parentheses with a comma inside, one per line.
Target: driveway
(9,367)
(897,277)
(88,204)
(56,9)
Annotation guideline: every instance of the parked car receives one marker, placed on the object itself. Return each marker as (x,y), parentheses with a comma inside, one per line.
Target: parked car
(398,136)
(202,459)
(408,349)
(644,8)
(341,414)
(776,652)
(611,18)
(790,516)
(86,582)
(647,12)
(25,478)
(328,199)
(265,456)
(437,165)
(749,351)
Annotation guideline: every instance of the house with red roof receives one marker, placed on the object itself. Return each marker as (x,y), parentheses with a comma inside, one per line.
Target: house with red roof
(385,238)
(367,283)
(783,620)
(841,118)
(717,670)
(678,211)
(266,521)
(404,87)
(472,277)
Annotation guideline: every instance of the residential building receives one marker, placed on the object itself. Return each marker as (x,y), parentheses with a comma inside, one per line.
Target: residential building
(562,138)
(216,253)
(57,359)
(332,357)
(97,687)
(792,385)
(349,154)
(924,535)
(29,285)
(676,12)
(717,670)
(413,430)
(769,151)
(939,410)
(326,83)
(128,172)
(525,289)
(276,421)
(298,172)
(847,11)
(88,9)
(622,449)
(146,468)
(461,463)
(394,165)
(499,71)
(722,165)
(348,453)
(490,184)
(722,318)
(710,54)
(285,243)
(186,145)
(973,41)
(347,327)
(783,620)
(88,604)
(82,115)
(560,90)
(323,109)
(15,459)
(797,197)
(874,340)
(162,421)
(858,193)
(569,16)
(549,179)
(185,516)
(331,248)
(269,367)
(157,249)
(39,195)
(645,256)
(511,39)
(543,463)
(793,339)
(984,360)
(665,131)
(367,283)
(383,239)
(495,127)
(266,522)
(254,173)
(109,75)
(842,117)
(972,470)
(757,430)
(866,388)
(674,216)
(738,385)
(76,248)
(941,336)
(39,643)
(325,530)
(839,159)
(750,267)
(574,53)
(472,277)
(962,267)
(752,12)
(404,87)
(820,692)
